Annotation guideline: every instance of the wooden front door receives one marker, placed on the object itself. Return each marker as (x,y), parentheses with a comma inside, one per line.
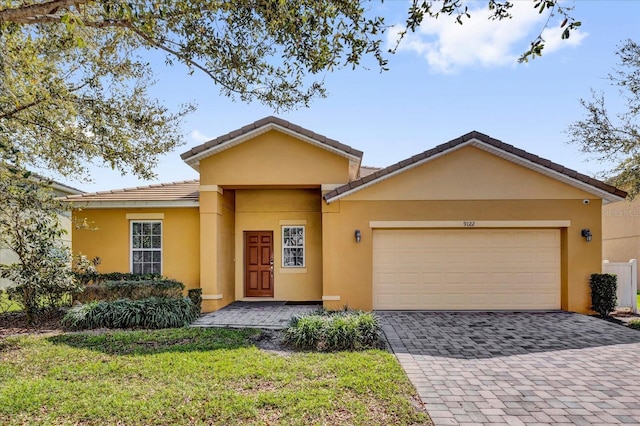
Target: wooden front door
(258,258)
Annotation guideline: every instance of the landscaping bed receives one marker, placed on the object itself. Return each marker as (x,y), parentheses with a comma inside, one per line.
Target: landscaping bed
(15,323)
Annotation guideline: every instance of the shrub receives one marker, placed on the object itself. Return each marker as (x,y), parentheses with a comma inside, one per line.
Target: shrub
(635,324)
(30,226)
(135,290)
(154,312)
(86,272)
(603,293)
(129,276)
(334,331)
(195,294)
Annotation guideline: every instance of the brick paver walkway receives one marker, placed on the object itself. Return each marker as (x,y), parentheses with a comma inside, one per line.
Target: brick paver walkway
(270,315)
(519,368)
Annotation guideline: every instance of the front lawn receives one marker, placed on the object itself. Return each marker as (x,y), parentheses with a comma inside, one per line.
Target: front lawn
(195,376)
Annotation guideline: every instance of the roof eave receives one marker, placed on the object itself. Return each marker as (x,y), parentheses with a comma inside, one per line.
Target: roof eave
(114,204)
(193,160)
(606,196)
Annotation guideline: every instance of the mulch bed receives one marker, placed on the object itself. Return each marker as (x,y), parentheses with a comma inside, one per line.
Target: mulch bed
(15,323)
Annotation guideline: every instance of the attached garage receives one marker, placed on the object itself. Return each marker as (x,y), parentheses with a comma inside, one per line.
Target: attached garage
(472,224)
(466,269)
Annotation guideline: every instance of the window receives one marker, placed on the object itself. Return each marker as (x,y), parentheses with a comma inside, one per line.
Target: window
(293,246)
(146,247)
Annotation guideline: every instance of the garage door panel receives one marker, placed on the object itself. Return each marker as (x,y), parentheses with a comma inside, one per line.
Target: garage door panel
(466,269)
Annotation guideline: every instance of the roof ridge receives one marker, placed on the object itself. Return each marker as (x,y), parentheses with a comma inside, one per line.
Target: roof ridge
(131,189)
(496,143)
(265,121)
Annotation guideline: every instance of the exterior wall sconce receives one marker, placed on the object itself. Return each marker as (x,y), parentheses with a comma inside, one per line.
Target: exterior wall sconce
(586,234)
(358,236)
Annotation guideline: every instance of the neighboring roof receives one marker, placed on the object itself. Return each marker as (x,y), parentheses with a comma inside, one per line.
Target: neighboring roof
(184,193)
(58,186)
(494,146)
(195,154)
(367,170)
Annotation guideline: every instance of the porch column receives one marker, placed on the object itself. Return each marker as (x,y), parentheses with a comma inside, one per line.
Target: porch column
(209,231)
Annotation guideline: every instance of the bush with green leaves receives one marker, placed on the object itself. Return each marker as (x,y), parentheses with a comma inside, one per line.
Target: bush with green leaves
(31,227)
(195,294)
(335,331)
(635,324)
(603,293)
(89,275)
(134,290)
(154,312)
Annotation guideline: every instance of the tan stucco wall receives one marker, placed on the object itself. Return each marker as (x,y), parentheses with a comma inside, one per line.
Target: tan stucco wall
(269,210)
(274,158)
(621,231)
(470,175)
(110,240)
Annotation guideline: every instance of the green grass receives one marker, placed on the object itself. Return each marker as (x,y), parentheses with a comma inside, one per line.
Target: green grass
(7,305)
(638,299)
(195,376)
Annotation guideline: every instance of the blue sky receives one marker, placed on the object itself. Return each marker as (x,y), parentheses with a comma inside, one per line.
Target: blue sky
(444,81)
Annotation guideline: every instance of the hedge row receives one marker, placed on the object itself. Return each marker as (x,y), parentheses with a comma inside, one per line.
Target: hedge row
(131,289)
(96,278)
(154,312)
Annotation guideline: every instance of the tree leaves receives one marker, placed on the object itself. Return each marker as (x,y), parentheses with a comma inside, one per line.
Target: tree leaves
(615,139)
(74,90)
(30,227)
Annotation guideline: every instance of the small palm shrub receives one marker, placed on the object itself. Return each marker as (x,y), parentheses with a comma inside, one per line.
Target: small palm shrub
(154,312)
(335,331)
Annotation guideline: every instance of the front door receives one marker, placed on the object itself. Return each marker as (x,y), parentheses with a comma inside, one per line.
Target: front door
(258,258)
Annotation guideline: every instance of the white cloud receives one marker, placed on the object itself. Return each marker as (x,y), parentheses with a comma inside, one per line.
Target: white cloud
(198,136)
(448,46)
(554,42)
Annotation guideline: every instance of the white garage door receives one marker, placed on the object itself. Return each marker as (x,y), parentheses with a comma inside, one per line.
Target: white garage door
(473,269)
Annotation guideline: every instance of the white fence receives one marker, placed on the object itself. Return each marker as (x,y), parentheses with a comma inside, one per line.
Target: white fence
(627,273)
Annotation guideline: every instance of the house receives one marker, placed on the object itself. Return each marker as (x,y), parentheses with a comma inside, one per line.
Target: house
(282,213)
(7,256)
(621,231)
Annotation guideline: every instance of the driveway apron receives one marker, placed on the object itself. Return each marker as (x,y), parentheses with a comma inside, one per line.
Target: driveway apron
(473,368)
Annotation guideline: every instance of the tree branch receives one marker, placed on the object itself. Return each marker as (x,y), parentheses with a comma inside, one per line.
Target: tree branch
(25,14)
(10,114)
(187,61)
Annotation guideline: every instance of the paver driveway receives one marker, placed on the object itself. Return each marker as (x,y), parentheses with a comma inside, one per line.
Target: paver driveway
(518,368)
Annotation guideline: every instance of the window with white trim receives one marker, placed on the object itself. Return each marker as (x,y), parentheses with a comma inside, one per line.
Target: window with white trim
(146,247)
(293,247)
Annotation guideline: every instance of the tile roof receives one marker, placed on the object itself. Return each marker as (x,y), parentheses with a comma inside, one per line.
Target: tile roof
(367,170)
(173,191)
(271,120)
(59,186)
(544,163)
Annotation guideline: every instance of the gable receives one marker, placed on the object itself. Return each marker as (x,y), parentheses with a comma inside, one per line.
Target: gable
(274,158)
(468,173)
